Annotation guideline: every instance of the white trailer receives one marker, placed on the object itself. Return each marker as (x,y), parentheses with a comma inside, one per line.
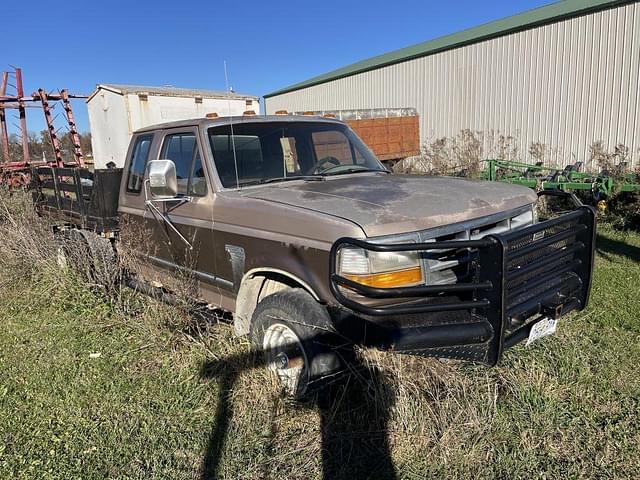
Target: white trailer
(116,111)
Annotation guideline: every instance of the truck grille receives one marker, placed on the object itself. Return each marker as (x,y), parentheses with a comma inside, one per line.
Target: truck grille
(446,267)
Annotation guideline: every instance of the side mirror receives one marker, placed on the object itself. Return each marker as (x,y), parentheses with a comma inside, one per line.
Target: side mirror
(163,182)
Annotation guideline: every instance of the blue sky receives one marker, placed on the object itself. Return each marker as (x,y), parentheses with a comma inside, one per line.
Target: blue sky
(267,44)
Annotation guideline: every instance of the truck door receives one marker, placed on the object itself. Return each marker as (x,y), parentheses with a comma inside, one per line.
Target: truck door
(192,259)
(141,236)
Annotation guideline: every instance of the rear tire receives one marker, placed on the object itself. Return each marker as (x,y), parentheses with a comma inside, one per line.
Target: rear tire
(72,253)
(90,255)
(300,344)
(104,266)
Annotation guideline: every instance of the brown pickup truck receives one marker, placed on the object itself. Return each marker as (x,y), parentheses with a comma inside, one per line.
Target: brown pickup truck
(292,225)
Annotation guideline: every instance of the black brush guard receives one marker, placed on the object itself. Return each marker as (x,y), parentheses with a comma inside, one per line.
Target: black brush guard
(515,279)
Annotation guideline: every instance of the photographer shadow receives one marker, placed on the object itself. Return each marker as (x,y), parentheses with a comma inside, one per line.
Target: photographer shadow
(354,416)
(354,413)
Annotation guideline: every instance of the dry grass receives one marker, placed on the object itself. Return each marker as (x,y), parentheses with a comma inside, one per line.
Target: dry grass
(612,162)
(26,241)
(463,155)
(460,155)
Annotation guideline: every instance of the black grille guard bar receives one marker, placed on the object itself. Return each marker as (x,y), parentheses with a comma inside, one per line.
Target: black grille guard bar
(543,270)
(406,292)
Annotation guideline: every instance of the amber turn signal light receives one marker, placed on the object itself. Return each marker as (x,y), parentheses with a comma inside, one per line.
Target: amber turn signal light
(398,278)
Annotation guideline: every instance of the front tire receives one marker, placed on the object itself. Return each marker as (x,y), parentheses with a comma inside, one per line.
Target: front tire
(300,344)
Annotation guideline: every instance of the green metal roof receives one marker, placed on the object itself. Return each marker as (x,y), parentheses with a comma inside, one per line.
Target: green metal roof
(523,21)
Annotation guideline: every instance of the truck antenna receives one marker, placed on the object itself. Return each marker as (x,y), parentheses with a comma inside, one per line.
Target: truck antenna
(233,141)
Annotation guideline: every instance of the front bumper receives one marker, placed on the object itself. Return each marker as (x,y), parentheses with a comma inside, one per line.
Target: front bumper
(515,279)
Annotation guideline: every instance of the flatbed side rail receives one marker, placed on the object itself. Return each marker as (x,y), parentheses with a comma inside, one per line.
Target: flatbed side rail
(78,196)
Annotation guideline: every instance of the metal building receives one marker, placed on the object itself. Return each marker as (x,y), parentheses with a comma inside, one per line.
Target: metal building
(116,111)
(564,76)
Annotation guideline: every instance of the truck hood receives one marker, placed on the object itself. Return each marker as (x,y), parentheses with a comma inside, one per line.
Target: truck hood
(383,204)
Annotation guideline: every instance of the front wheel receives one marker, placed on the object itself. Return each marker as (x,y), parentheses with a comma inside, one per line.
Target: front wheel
(300,344)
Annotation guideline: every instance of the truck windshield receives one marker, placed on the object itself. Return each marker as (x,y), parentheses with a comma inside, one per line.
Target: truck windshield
(266,152)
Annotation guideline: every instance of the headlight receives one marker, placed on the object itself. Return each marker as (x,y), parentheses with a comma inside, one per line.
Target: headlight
(380,269)
(523,219)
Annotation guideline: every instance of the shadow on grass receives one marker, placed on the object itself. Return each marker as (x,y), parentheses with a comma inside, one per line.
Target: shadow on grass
(607,246)
(353,419)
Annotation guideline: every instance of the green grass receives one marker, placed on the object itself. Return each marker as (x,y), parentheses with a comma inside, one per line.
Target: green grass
(567,407)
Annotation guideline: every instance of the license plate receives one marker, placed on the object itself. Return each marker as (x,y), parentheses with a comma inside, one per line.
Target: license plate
(544,328)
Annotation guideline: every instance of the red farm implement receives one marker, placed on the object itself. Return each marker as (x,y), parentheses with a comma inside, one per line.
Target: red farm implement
(15,168)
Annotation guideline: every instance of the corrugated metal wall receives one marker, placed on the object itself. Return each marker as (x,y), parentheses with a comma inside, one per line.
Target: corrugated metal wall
(565,85)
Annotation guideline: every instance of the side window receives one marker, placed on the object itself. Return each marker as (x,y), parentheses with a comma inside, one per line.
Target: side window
(138,163)
(182,148)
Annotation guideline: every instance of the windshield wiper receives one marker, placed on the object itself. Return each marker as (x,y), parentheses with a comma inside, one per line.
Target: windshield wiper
(262,181)
(355,170)
(306,178)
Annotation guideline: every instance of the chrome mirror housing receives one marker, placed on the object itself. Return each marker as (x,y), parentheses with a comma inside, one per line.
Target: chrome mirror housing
(163,181)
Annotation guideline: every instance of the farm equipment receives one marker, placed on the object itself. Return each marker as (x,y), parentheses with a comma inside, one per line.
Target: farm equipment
(571,178)
(15,174)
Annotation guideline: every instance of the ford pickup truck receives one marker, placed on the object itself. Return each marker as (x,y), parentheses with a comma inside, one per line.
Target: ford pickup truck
(292,226)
